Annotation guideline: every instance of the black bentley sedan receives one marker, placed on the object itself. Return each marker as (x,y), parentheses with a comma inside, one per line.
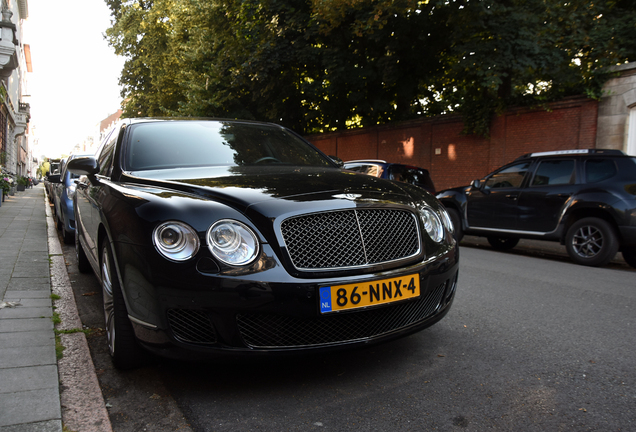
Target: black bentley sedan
(215,237)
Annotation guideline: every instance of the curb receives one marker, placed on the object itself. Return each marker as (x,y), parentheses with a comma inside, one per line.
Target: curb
(82,403)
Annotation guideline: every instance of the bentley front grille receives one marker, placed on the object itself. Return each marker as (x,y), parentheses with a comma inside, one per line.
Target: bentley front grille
(350,238)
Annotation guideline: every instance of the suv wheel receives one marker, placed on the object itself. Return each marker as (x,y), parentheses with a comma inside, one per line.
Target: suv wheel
(630,257)
(591,241)
(502,243)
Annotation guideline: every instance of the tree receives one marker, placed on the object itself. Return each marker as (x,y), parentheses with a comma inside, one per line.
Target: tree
(321,65)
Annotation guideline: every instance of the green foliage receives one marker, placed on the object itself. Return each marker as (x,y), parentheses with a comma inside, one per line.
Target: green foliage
(321,65)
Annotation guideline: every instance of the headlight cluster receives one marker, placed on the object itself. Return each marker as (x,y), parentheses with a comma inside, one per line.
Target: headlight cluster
(176,241)
(230,241)
(70,191)
(435,222)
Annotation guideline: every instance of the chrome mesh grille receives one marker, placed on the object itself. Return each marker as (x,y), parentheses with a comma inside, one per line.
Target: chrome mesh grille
(191,326)
(350,238)
(276,331)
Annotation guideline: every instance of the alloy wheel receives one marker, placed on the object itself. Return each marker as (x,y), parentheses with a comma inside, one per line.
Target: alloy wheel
(109,305)
(587,241)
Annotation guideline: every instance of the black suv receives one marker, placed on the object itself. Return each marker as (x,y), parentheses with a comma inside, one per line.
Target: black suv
(405,173)
(586,199)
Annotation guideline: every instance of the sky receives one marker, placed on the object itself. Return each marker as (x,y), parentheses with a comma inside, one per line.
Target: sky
(74,83)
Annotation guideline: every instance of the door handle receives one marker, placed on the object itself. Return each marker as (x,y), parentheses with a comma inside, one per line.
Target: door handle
(512,197)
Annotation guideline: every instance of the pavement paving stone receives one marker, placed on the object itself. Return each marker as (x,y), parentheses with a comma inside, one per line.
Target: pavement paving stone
(29,284)
(28,356)
(32,271)
(27,378)
(41,301)
(45,426)
(25,325)
(25,339)
(30,406)
(20,312)
(16,295)
(35,247)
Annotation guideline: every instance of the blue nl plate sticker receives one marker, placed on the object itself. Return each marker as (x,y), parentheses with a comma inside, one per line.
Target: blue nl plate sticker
(325,299)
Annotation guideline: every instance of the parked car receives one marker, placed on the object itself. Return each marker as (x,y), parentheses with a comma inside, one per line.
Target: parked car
(51,177)
(233,237)
(393,171)
(62,193)
(585,199)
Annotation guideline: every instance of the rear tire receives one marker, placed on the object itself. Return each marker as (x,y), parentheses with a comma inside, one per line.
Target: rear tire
(630,257)
(591,241)
(122,343)
(458,231)
(503,243)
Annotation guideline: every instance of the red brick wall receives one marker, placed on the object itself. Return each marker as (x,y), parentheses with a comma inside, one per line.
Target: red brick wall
(454,159)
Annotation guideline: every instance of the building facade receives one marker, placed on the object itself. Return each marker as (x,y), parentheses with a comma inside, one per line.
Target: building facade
(617,111)
(15,61)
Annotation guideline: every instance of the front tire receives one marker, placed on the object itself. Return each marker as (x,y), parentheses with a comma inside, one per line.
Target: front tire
(458,231)
(83,264)
(69,236)
(122,344)
(591,242)
(502,243)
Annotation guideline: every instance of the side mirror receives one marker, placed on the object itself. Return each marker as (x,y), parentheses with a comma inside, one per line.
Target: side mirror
(54,178)
(479,185)
(86,165)
(337,160)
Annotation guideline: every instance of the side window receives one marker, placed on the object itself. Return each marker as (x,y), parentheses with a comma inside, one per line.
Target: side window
(399,173)
(554,172)
(597,170)
(105,157)
(508,177)
(372,170)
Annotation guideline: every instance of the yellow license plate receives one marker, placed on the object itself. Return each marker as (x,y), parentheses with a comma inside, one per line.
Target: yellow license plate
(352,296)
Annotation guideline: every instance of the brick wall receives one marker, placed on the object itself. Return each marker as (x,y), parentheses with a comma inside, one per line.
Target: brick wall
(454,159)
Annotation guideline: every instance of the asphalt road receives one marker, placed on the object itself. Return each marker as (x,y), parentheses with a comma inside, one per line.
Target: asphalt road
(532,343)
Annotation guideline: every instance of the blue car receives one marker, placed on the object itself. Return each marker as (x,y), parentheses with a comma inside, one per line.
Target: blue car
(62,195)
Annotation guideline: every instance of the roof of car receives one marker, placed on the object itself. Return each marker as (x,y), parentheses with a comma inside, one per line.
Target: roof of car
(609,152)
(366,161)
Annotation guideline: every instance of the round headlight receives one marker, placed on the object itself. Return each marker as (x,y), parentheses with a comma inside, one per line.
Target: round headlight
(446,219)
(432,224)
(176,241)
(232,242)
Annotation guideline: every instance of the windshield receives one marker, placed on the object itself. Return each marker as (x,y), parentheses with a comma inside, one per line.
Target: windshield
(184,144)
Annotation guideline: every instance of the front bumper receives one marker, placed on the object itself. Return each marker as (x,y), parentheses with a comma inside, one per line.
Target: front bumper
(271,312)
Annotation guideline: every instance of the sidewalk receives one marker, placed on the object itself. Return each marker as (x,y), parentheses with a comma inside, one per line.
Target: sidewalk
(38,392)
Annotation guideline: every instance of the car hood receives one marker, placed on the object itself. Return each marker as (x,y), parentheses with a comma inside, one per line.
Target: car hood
(446,193)
(244,187)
